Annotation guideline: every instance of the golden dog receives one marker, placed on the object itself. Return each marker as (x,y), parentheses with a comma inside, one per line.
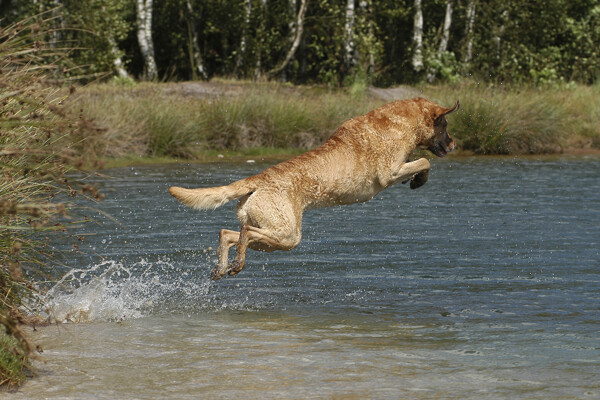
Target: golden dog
(364,156)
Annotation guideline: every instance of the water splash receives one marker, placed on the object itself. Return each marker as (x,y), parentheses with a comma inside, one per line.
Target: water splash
(113,291)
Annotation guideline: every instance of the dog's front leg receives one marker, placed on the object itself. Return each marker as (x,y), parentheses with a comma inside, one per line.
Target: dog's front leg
(415,171)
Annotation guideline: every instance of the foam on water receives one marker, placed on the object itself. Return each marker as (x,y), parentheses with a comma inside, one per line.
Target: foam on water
(114,291)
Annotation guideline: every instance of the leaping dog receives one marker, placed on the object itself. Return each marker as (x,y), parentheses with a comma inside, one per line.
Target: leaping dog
(364,156)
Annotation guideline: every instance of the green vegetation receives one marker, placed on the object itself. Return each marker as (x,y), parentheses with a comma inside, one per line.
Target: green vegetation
(172,120)
(166,120)
(510,41)
(523,120)
(39,143)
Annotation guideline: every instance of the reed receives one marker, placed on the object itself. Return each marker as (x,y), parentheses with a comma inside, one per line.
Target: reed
(39,143)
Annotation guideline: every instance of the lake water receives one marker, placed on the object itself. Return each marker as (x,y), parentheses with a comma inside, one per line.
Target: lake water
(484,283)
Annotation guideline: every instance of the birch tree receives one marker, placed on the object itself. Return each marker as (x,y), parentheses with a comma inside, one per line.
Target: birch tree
(417,59)
(144,34)
(349,45)
(194,50)
(298,31)
(468,53)
(443,40)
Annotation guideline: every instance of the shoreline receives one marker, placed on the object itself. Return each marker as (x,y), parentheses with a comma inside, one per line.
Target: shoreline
(211,157)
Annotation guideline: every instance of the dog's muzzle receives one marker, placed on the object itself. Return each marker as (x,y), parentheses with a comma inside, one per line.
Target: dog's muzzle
(440,150)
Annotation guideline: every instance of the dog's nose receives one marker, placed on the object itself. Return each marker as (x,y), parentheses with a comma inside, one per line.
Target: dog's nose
(452,145)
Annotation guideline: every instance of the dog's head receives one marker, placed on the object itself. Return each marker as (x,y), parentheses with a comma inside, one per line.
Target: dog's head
(437,140)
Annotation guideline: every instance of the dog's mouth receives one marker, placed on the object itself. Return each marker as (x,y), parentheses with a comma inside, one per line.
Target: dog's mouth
(440,150)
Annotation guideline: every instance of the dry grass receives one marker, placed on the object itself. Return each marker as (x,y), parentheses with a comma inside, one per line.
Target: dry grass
(39,143)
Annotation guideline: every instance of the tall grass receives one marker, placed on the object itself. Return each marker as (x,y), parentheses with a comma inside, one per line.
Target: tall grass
(162,120)
(522,120)
(39,143)
(166,120)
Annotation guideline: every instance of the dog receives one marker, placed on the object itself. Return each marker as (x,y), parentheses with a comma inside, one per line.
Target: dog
(364,156)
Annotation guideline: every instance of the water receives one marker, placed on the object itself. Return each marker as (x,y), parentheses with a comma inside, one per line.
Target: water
(484,283)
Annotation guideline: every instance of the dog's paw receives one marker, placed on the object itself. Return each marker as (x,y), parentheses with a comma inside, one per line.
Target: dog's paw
(419,179)
(234,268)
(216,274)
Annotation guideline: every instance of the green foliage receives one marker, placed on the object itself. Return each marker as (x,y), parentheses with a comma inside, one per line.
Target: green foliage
(446,67)
(513,41)
(14,360)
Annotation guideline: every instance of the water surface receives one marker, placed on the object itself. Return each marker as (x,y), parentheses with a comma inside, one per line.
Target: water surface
(484,283)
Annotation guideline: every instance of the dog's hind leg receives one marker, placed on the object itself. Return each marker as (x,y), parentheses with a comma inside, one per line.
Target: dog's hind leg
(240,252)
(227,239)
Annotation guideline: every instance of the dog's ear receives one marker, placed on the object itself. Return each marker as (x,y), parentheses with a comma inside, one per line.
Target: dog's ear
(440,112)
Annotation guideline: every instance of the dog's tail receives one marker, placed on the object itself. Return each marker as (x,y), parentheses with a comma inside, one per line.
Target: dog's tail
(213,197)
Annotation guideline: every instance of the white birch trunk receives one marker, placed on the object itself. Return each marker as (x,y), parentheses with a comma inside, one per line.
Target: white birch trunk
(417,60)
(144,34)
(443,40)
(195,56)
(121,71)
(446,31)
(292,25)
(468,55)
(349,36)
(296,42)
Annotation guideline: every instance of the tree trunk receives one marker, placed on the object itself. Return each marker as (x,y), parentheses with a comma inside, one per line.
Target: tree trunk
(443,40)
(366,11)
(349,37)
(446,31)
(195,55)
(417,60)
(259,47)
(121,71)
(298,32)
(144,34)
(243,41)
(468,54)
(500,33)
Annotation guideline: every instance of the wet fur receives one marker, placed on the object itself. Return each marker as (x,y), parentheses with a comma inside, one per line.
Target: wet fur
(364,156)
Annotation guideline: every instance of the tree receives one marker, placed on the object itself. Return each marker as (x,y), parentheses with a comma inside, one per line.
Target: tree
(468,52)
(443,41)
(144,34)
(298,31)
(197,66)
(417,59)
(349,45)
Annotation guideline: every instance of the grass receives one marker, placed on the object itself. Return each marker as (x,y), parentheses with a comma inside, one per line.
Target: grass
(164,120)
(523,120)
(159,120)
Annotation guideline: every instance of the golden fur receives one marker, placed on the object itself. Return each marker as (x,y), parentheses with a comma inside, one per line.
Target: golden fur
(364,156)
